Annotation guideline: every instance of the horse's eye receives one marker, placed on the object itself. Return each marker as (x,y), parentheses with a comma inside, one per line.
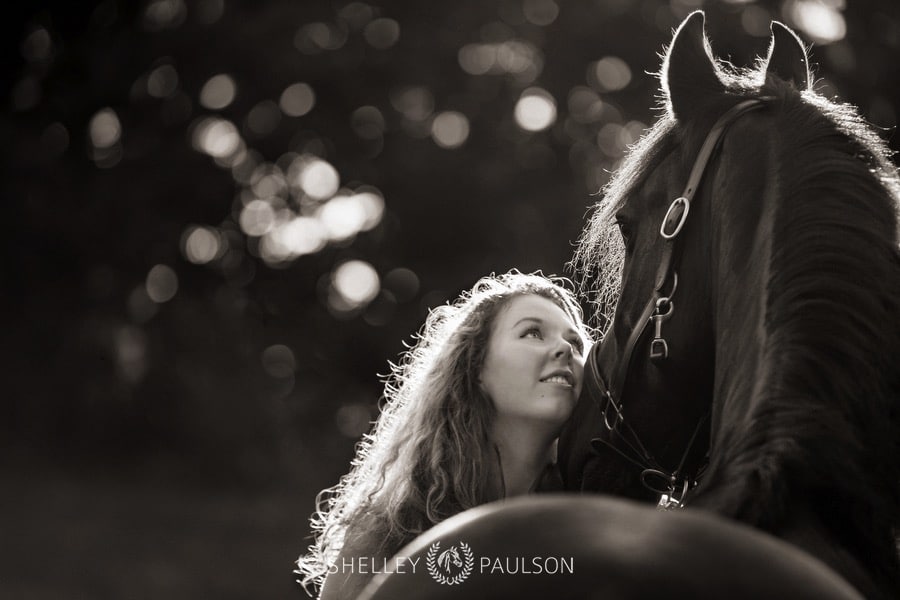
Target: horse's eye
(624,230)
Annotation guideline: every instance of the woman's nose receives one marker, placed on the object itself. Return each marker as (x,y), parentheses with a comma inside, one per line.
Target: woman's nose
(563,349)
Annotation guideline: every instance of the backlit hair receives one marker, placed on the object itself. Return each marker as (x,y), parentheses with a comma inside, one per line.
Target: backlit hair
(429,455)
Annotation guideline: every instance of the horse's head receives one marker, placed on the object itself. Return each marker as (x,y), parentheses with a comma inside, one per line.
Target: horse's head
(688,215)
(657,361)
(449,556)
(758,304)
(690,222)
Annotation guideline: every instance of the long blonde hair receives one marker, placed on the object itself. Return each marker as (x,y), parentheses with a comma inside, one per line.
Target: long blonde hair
(429,455)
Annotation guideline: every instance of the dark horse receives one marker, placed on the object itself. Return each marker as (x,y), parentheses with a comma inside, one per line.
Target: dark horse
(750,372)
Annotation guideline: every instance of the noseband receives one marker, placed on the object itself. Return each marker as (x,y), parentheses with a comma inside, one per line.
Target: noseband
(671,486)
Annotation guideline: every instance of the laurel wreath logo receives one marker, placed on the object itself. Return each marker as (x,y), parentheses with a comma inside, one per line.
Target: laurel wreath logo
(437,562)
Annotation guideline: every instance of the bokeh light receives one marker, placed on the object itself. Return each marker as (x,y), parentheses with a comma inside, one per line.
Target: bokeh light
(450,129)
(540,12)
(413,102)
(318,179)
(382,33)
(518,58)
(161,283)
(609,140)
(609,74)
(37,45)
(131,353)
(316,37)
(162,81)
(257,218)
(356,15)
(217,137)
(342,216)
(297,99)
(268,181)
(352,420)
(105,128)
(368,122)
(477,59)
(515,56)
(372,204)
(218,92)
(293,238)
(244,166)
(278,361)
(200,245)
(585,105)
(821,20)
(164,14)
(535,110)
(354,284)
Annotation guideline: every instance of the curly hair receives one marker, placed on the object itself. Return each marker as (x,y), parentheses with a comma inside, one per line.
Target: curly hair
(429,455)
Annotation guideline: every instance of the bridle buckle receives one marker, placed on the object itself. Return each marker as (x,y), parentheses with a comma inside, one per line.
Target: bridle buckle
(675,218)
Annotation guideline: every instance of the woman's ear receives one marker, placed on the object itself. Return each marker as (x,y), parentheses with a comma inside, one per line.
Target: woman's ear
(787,57)
(689,72)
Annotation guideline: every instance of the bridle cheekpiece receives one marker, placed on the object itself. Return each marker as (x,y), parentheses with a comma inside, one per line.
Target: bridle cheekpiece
(671,486)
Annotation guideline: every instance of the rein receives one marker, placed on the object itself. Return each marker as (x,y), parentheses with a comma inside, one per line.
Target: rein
(658,309)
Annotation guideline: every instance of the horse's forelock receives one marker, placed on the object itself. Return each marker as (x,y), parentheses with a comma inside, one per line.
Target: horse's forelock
(599,255)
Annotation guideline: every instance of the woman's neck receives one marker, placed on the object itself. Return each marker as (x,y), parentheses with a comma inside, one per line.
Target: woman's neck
(523,453)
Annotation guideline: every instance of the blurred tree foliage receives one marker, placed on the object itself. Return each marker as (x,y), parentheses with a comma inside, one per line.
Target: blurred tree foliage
(95,371)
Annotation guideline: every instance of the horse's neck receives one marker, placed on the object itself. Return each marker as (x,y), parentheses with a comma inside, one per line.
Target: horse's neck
(771,423)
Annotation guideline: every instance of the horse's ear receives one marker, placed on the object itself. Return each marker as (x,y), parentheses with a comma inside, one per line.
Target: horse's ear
(787,57)
(689,71)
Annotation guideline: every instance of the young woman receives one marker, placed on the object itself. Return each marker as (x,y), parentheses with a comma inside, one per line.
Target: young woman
(472,414)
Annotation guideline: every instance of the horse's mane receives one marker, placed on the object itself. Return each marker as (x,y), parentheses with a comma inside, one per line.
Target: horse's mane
(599,255)
(828,420)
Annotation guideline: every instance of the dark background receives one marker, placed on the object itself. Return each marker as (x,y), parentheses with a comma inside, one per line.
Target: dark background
(173,447)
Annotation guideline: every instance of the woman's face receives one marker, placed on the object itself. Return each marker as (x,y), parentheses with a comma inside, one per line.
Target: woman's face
(534,365)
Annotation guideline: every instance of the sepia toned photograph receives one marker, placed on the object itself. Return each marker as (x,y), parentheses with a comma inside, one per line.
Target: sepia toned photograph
(498,299)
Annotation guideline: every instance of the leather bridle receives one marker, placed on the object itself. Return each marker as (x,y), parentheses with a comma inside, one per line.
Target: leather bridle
(659,308)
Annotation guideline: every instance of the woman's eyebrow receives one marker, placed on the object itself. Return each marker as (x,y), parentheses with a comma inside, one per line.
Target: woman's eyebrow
(533,319)
(570,331)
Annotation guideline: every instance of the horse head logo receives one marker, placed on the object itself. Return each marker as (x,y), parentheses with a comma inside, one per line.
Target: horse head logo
(448,556)
(451,566)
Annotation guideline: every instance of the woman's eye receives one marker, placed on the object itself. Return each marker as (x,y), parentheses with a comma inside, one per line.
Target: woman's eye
(532,332)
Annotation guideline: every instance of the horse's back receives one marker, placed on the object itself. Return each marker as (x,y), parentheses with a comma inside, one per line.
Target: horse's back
(557,546)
